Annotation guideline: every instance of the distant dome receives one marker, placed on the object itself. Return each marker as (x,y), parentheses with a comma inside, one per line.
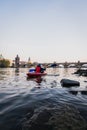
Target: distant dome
(1,57)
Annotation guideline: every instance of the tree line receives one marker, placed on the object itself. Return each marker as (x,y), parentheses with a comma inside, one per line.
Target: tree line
(4,63)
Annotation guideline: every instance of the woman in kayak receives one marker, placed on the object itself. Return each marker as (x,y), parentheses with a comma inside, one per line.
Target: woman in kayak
(39,69)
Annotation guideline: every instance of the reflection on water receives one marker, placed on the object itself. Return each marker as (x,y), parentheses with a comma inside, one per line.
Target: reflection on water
(38,80)
(20,97)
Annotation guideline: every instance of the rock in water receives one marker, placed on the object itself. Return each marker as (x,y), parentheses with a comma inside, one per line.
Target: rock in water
(69,83)
(55,118)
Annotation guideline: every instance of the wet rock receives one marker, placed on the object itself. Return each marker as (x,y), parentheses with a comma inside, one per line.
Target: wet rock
(63,118)
(81,72)
(73,92)
(19,125)
(38,121)
(69,83)
(85,81)
(84,92)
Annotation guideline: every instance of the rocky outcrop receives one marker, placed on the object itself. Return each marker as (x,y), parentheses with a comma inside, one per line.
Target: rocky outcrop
(74,92)
(81,72)
(69,83)
(56,118)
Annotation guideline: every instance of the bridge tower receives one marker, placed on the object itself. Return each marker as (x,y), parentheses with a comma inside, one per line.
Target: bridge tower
(29,60)
(17,61)
(78,65)
(66,65)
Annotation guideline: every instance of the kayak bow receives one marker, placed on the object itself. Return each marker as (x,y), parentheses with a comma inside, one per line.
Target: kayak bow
(35,75)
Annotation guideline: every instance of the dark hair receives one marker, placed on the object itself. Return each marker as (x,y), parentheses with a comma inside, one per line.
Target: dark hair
(39,65)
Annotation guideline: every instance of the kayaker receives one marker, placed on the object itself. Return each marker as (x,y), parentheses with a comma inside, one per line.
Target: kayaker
(40,69)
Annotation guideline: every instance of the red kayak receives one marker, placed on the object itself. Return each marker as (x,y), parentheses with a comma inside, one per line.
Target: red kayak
(35,75)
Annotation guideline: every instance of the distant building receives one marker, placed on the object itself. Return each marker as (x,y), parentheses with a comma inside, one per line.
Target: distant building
(17,61)
(1,57)
(23,64)
(29,61)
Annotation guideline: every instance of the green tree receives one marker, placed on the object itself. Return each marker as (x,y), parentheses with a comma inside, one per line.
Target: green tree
(4,63)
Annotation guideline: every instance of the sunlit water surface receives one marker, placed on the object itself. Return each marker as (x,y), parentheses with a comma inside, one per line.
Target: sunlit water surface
(18,95)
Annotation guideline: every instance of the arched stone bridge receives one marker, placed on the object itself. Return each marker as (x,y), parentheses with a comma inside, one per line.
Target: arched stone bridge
(69,64)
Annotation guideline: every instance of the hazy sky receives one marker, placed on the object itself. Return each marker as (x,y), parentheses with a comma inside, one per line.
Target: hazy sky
(44,30)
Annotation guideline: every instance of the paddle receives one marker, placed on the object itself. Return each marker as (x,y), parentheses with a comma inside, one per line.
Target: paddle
(52,74)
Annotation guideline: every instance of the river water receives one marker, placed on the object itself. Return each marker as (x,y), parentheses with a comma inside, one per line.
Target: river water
(18,95)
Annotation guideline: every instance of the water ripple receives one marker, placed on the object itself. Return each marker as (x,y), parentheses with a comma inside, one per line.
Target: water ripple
(18,95)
